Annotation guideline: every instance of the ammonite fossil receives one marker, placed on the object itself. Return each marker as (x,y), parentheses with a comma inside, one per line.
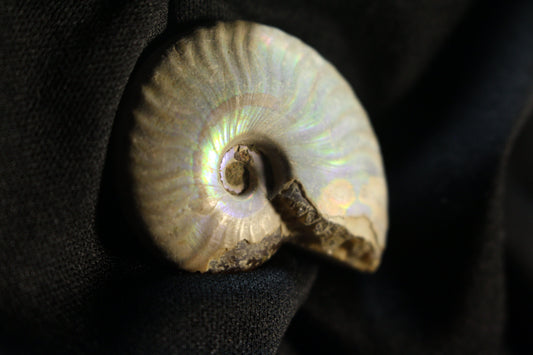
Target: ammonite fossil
(242,137)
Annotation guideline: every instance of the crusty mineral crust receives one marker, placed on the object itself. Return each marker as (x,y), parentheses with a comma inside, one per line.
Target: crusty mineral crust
(246,256)
(304,225)
(314,231)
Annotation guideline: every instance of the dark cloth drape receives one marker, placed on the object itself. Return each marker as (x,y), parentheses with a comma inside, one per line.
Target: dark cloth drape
(448,85)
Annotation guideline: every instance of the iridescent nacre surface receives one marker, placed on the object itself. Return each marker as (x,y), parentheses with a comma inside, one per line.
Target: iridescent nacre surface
(250,88)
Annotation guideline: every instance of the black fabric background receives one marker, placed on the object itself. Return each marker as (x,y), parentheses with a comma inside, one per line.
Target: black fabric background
(448,85)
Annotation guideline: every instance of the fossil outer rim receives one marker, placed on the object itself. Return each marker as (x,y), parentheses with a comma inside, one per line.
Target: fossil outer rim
(245,83)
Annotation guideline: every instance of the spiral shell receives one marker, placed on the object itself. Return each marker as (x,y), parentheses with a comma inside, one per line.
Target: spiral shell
(244,137)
